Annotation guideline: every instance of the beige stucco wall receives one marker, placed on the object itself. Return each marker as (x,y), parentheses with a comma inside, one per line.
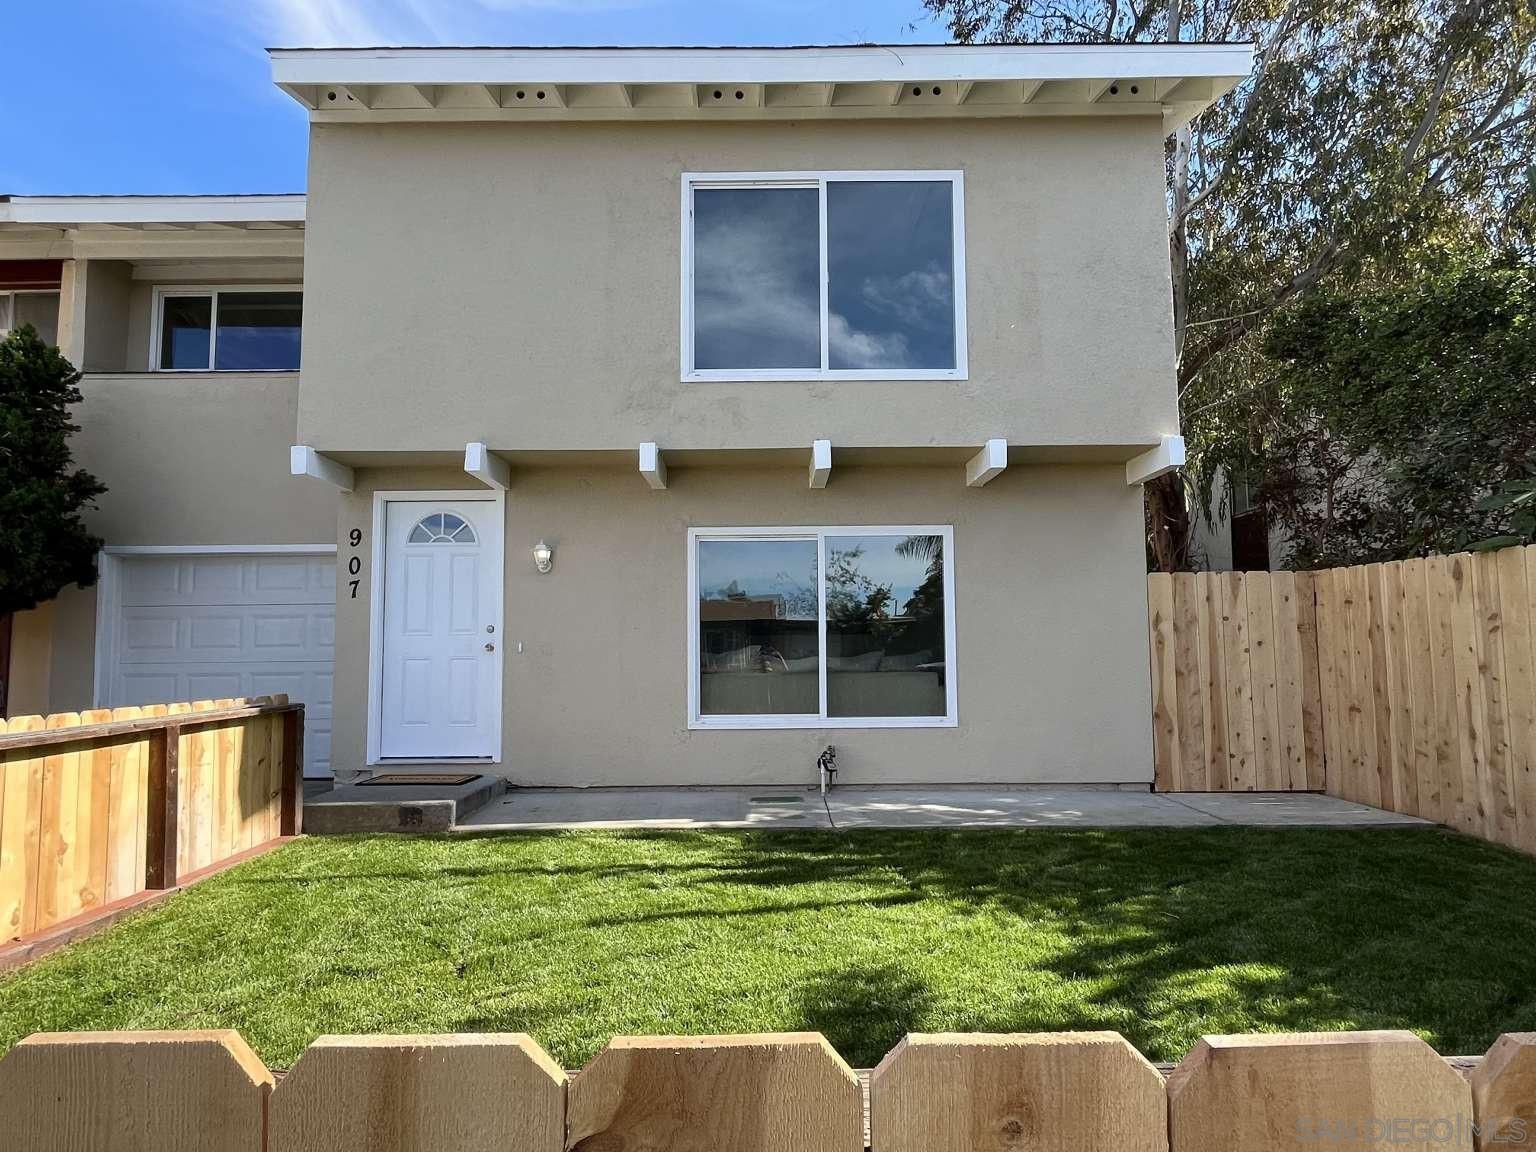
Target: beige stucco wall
(1051,626)
(188,459)
(520,284)
(31,661)
(198,459)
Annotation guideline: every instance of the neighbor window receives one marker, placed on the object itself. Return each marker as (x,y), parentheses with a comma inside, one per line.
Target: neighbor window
(226,330)
(39,309)
(858,275)
(826,627)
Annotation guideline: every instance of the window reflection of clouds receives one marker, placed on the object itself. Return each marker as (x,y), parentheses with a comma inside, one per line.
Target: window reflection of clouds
(757,300)
(890,261)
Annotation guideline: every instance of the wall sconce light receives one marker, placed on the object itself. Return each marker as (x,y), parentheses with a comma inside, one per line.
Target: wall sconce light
(543,557)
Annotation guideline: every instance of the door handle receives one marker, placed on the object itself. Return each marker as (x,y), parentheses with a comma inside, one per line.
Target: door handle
(490,647)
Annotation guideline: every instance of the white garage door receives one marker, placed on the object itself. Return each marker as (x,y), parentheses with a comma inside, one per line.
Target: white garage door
(208,627)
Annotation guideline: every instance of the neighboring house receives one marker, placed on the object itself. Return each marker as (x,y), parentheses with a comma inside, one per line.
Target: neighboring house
(218,575)
(688,410)
(1236,534)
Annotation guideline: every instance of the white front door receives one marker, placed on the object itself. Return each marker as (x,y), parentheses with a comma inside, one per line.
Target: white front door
(441,649)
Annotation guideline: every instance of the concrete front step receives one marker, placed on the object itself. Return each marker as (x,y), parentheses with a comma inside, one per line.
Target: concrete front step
(402,808)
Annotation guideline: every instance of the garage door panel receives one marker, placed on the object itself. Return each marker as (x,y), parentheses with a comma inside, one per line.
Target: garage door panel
(145,687)
(213,686)
(180,581)
(210,627)
(209,632)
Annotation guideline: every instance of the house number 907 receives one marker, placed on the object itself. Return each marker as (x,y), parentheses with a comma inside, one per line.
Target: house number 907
(354,562)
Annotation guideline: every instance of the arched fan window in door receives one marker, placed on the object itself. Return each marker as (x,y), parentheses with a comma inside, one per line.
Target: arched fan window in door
(442,528)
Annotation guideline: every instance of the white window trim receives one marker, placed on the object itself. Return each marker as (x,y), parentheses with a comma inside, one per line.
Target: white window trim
(157,322)
(819,533)
(693,180)
(8,304)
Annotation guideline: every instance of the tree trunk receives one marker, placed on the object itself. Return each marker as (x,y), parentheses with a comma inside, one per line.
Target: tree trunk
(1167,510)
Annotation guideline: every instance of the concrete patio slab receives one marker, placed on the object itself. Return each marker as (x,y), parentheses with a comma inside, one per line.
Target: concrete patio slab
(1264,808)
(976,807)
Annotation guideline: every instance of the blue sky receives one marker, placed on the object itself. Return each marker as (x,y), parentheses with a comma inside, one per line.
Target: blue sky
(163,96)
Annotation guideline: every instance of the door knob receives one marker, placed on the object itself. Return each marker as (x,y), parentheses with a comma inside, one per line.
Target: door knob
(490,647)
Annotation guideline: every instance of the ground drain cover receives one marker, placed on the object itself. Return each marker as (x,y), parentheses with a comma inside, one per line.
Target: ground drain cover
(778,799)
(425,779)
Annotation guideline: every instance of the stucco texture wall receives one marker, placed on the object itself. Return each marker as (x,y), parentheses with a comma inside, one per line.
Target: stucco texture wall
(1051,626)
(188,459)
(198,459)
(520,284)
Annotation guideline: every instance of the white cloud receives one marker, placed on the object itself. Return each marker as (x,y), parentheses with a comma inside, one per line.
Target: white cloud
(358,23)
(922,297)
(850,348)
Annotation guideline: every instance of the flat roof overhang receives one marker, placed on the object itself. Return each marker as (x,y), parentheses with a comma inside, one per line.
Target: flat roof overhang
(259,212)
(363,85)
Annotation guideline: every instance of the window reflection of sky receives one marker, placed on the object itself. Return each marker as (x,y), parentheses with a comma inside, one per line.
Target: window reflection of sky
(761,568)
(890,284)
(756,270)
(890,269)
(882,563)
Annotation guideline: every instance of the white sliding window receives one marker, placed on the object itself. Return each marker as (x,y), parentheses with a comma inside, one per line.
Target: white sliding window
(824,276)
(821,627)
(227,329)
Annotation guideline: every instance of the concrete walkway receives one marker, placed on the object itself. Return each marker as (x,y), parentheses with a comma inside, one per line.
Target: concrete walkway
(977,807)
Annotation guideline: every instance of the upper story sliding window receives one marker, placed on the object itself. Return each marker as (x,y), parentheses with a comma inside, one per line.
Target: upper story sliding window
(824,276)
(227,330)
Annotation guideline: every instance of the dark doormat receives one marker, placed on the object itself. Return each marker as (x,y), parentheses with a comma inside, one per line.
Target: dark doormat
(778,799)
(426,779)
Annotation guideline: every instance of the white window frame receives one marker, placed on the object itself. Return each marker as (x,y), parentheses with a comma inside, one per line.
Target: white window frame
(820,180)
(157,322)
(8,304)
(697,722)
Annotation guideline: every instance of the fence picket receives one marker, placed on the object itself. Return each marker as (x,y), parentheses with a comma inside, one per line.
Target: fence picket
(1165,736)
(773,1093)
(460,1093)
(1049,1092)
(1272,1092)
(1189,697)
(133,1092)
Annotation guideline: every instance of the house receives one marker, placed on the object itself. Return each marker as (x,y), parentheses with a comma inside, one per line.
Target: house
(665,415)
(217,579)
(1234,532)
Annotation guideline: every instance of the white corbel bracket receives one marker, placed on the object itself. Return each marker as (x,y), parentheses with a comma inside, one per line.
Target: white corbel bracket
(305,461)
(492,471)
(987,464)
(653,468)
(821,462)
(1168,455)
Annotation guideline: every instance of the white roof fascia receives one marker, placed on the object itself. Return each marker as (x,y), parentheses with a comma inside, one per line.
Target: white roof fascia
(862,64)
(71,211)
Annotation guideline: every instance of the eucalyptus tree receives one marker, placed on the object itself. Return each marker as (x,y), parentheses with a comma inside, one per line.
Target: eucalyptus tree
(1366,135)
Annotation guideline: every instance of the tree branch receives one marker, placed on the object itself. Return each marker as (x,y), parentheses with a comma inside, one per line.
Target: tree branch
(1283,29)
(1320,265)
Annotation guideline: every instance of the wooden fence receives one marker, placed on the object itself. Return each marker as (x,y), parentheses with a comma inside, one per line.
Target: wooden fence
(96,807)
(1055,1092)
(1409,686)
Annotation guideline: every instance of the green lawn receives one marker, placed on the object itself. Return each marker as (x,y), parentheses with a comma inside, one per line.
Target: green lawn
(1162,934)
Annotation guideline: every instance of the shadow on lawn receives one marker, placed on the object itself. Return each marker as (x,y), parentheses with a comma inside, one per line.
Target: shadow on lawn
(1170,934)
(1161,934)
